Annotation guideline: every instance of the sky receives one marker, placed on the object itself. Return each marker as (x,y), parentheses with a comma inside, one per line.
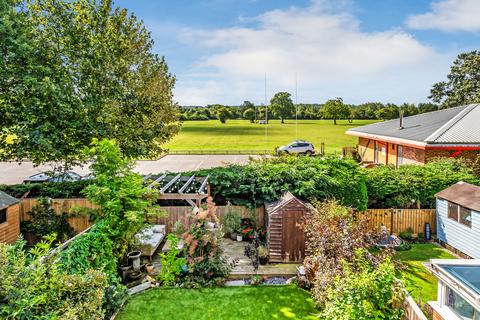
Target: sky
(221,51)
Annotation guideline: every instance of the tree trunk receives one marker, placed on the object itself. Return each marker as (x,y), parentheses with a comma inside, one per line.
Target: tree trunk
(335,121)
(283,121)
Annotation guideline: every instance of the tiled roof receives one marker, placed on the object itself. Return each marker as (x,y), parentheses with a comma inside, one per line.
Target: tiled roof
(465,194)
(459,125)
(6,200)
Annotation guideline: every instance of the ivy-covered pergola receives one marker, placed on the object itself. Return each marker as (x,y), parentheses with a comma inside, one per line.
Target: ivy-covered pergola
(190,188)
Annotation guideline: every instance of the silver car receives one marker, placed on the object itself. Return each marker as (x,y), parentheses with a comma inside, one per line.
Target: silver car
(297,147)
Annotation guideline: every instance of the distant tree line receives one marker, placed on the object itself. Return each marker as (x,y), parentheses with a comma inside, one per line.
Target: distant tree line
(281,108)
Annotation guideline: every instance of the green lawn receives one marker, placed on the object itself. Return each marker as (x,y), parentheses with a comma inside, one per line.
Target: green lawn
(421,284)
(243,135)
(263,302)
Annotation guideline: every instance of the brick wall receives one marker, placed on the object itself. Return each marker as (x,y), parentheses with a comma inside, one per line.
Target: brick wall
(413,155)
(468,154)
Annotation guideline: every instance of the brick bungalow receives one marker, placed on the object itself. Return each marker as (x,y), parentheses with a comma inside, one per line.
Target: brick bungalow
(453,132)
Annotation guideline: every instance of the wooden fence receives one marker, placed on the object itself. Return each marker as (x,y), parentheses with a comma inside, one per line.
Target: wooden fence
(396,220)
(173,214)
(77,221)
(412,310)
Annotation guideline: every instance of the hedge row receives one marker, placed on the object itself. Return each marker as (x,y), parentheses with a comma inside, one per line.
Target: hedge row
(312,178)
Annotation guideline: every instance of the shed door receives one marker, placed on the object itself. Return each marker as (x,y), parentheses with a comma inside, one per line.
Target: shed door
(293,244)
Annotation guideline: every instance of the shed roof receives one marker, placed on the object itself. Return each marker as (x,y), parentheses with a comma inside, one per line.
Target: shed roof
(465,194)
(285,199)
(7,200)
(457,125)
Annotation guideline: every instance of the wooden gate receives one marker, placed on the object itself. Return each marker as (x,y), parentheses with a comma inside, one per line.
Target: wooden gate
(293,242)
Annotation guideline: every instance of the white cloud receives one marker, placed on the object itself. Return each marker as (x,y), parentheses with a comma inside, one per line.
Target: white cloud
(449,15)
(324,47)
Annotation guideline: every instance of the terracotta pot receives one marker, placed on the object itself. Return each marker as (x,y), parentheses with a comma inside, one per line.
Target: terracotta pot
(149,267)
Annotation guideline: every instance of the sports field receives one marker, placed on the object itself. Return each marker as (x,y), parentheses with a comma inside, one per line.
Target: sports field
(243,135)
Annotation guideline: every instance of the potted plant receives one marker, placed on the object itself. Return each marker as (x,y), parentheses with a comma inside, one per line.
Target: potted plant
(231,223)
(262,255)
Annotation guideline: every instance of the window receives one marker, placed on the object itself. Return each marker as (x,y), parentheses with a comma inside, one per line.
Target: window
(465,217)
(460,306)
(453,211)
(399,156)
(3,215)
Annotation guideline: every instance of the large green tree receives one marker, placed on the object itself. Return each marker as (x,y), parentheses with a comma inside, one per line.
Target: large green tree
(463,84)
(282,106)
(73,71)
(335,109)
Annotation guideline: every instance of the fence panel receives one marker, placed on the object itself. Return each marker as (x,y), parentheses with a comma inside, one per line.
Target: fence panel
(395,220)
(412,310)
(399,220)
(174,214)
(76,221)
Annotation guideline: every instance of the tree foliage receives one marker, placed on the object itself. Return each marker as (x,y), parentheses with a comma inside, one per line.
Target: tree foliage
(463,82)
(249,114)
(77,70)
(335,109)
(282,106)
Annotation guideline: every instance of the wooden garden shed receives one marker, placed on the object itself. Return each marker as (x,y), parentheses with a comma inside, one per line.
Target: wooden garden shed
(285,235)
(9,218)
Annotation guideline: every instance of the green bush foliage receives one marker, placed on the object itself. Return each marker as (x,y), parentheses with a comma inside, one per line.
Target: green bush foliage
(171,263)
(34,288)
(44,221)
(65,190)
(312,178)
(412,186)
(365,292)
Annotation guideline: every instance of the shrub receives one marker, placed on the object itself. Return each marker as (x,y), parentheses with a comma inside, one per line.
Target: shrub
(364,291)
(44,221)
(407,235)
(32,287)
(71,189)
(232,222)
(312,178)
(333,235)
(414,185)
(203,251)
(171,263)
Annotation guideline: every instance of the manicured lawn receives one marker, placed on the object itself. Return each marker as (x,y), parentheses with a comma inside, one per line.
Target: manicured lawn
(421,284)
(243,135)
(263,302)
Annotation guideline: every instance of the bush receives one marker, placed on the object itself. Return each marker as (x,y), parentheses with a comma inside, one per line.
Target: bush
(64,190)
(411,186)
(32,288)
(333,235)
(203,251)
(232,222)
(44,221)
(364,291)
(312,178)
(407,235)
(171,263)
